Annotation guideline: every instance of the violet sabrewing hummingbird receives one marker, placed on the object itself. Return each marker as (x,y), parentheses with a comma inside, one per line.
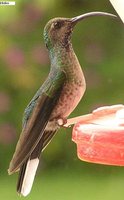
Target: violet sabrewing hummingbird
(53,102)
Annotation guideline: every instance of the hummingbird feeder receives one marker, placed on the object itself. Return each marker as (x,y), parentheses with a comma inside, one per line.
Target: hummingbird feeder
(100,136)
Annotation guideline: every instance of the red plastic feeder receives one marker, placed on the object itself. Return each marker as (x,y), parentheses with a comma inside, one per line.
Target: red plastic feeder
(100,136)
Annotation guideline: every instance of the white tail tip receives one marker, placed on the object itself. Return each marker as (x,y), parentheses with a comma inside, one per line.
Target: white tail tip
(29,176)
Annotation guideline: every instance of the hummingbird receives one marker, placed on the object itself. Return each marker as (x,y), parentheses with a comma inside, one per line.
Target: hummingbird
(53,102)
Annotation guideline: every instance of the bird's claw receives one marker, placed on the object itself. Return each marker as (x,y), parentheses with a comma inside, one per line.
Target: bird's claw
(61,121)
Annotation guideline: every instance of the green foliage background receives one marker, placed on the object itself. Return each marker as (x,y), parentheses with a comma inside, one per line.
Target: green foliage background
(24,65)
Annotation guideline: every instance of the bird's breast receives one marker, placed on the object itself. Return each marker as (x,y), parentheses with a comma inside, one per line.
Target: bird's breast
(74,86)
(70,96)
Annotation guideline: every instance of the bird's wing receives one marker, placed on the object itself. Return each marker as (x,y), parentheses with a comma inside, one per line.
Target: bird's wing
(34,129)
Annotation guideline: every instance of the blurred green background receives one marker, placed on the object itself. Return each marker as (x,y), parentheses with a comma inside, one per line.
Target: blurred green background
(24,65)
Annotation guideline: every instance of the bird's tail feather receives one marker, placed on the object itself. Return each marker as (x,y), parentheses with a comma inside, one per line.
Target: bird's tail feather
(28,169)
(26,176)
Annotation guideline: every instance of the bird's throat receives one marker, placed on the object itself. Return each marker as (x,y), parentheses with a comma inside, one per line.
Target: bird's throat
(66,60)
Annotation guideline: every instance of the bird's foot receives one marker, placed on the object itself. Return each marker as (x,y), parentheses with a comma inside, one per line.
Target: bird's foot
(61,121)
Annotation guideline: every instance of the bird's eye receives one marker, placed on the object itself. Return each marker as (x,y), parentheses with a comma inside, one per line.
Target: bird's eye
(57,25)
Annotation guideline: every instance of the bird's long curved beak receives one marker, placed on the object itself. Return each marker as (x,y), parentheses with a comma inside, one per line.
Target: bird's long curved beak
(75,20)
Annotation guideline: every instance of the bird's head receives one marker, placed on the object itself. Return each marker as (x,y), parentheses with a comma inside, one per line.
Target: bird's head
(58,31)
